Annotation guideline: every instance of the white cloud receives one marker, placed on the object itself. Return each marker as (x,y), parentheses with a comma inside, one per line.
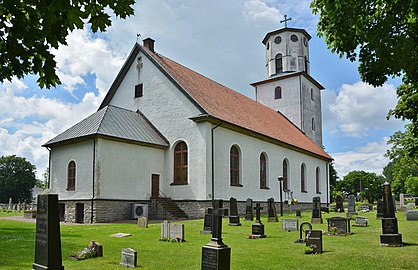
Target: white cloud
(259,11)
(369,158)
(86,55)
(361,108)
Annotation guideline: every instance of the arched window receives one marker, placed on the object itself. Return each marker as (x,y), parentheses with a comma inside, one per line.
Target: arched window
(312,94)
(71,174)
(279,63)
(318,188)
(234,166)
(285,175)
(263,170)
(278,92)
(180,163)
(302,178)
(313,123)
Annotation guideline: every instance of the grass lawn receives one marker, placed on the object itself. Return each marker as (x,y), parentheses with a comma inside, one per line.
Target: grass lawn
(361,250)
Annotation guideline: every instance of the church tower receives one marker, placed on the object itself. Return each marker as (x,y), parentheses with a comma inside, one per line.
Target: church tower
(289,89)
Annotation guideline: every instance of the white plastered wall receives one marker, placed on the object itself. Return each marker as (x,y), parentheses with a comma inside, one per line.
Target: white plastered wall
(250,149)
(123,171)
(82,154)
(169,110)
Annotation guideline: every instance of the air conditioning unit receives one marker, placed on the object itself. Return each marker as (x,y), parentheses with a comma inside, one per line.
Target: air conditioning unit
(139,210)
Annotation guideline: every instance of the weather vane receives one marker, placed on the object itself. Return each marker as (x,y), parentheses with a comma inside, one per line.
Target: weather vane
(285,21)
(137,36)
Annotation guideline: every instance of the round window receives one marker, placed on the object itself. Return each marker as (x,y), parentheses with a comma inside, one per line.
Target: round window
(294,38)
(278,39)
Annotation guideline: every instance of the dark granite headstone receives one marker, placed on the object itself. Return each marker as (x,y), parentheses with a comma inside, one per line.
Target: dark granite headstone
(249,210)
(272,214)
(339,201)
(257,229)
(380,206)
(390,235)
(339,225)
(233,213)
(48,238)
(207,223)
(316,210)
(298,213)
(314,240)
(216,255)
(351,206)
(129,257)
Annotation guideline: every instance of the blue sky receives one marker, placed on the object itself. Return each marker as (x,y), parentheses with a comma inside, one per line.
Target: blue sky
(219,39)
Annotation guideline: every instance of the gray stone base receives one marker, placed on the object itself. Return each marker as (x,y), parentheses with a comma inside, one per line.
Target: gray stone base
(101,210)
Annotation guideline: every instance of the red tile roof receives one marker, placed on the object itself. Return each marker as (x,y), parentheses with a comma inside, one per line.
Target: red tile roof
(230,106)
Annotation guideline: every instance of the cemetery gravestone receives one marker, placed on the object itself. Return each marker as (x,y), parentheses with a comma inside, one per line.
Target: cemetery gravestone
(401,200)
(272,214)
(351,206)
(339,225)
(257,229)
(316,210)
(339,201)
(314,240)
(216,255)
(48,238)
(129,257)
(380,205)
(233,213)
(10,204)
(361,221)
(364,208)
(207,223)
(290,225)
(390,235)
(412,215)
(410,206)
(298,213)
(165,230)
(142,222)
(249,210)
(177,232)
(416,201)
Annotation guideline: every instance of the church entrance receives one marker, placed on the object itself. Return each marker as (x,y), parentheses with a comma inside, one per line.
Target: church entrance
(155,185)
(79,212)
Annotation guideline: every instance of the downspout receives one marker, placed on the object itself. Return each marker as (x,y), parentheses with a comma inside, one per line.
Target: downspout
(93,180)
(327,178)
(213,164)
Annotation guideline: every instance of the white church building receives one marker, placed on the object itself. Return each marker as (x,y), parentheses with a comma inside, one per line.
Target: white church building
(166,138)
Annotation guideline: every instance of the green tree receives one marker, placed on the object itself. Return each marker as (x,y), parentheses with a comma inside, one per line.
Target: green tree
(383,36)
(367,184)
(333,178)
(411,185)
(29,29)
(17,179)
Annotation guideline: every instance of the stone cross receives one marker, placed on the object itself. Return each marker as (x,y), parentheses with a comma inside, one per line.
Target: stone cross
(218,213)
(257,209)
(285,21)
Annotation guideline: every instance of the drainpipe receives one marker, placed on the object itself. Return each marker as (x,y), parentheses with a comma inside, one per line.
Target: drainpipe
(213,164)
(93,180)
(327,178)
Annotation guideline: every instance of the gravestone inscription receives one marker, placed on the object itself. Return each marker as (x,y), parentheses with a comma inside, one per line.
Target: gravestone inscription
(290,225)
(339,225)
(48,238)
(314,240)
(129,257)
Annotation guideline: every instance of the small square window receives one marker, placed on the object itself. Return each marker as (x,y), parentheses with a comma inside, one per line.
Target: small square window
(138,90)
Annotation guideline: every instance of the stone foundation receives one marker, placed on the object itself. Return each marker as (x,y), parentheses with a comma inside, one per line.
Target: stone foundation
(116,210)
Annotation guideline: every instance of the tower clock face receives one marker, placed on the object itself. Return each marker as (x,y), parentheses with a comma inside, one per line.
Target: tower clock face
(278,39)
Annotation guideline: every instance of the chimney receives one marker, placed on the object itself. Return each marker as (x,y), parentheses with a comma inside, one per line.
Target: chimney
(149,44)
